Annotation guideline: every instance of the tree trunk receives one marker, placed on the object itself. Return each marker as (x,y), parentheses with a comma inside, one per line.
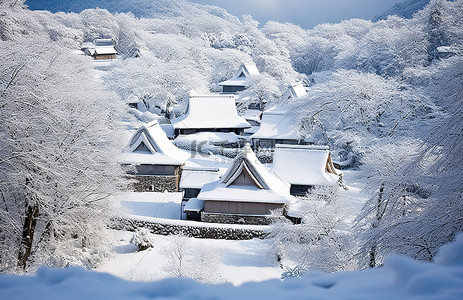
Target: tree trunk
(30,223)
(379,215)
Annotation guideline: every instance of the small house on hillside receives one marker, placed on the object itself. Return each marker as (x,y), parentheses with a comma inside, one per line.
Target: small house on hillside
(296,90)
(210,113)
(156,161)
(239,81)
(100,49)
(245,194)
(276,127)
(191,182)
(304,167)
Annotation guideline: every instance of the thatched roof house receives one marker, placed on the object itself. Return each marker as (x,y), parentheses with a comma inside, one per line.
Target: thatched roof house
(213,113)
(246,193)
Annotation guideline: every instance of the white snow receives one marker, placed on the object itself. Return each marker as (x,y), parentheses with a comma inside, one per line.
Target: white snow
(194,204)
(297,90)
(210,111)
(161,149)
(195,178)
(240,77)
(151,204)
(208,137)
(303,165)
(400,278)
(271,189)
(276,124)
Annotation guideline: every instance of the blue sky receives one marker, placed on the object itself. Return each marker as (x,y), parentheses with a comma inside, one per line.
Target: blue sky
(306,13)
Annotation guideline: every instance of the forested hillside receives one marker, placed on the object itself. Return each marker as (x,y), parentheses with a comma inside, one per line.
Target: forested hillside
(386,96)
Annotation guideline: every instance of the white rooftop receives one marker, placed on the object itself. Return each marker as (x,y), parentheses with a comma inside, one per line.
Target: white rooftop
(304,165)
(267,187)
(240,77)
(195,178)
(150,145)
(210,111)
(297,90)
(102,50)
(276,124)
(194,204)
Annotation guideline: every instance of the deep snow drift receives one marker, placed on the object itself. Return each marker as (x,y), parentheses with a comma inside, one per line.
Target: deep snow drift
(400,278)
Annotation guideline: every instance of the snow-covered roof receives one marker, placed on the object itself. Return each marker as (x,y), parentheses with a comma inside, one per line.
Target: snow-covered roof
(252,114)
(276,124)
(195,178)
(103,42)
(304,165)
(86,45)
(297,90)
(194,204)
(104,50)
(150,145)
(266,188)
(208,137)
(210,111)
(240,77)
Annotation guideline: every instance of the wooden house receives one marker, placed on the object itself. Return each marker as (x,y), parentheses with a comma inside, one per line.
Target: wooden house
(304,167)
(239,81)
(191,182)
(246,193)
(155,160)
(276,127)
(210,113)
(100,49)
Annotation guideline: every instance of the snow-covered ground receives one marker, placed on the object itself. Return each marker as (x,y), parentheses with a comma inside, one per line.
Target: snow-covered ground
(241,261)
(400,278)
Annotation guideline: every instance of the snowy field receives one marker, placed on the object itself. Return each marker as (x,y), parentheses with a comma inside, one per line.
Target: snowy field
(238,262)
(400,278)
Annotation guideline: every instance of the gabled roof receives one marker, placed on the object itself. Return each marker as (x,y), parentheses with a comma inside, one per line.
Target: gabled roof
(267,188)
(240,77)
(210,111)
(276,124)
(304,165)
(297,90)
(150,145)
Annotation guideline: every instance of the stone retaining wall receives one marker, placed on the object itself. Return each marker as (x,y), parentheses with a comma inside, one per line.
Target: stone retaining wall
(234,219)
(156,183)
(193,231)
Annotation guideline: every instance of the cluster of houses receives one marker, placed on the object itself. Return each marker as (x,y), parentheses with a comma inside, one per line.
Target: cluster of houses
(248,191)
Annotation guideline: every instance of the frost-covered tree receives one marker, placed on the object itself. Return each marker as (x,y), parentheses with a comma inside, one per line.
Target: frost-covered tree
(58,148)
(192,259)
(349,110)
(395,196)
(321,242)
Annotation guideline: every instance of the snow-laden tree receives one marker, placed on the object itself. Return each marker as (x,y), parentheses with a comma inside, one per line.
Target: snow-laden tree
(188,258)
(262,90)
(438,169)
(58,149)
(321,242)
(350,110)
(396,195)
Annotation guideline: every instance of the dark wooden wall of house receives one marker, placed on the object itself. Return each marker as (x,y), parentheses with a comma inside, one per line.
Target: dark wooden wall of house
(245,208)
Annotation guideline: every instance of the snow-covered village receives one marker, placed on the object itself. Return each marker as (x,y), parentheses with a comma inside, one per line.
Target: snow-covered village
(195,149)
